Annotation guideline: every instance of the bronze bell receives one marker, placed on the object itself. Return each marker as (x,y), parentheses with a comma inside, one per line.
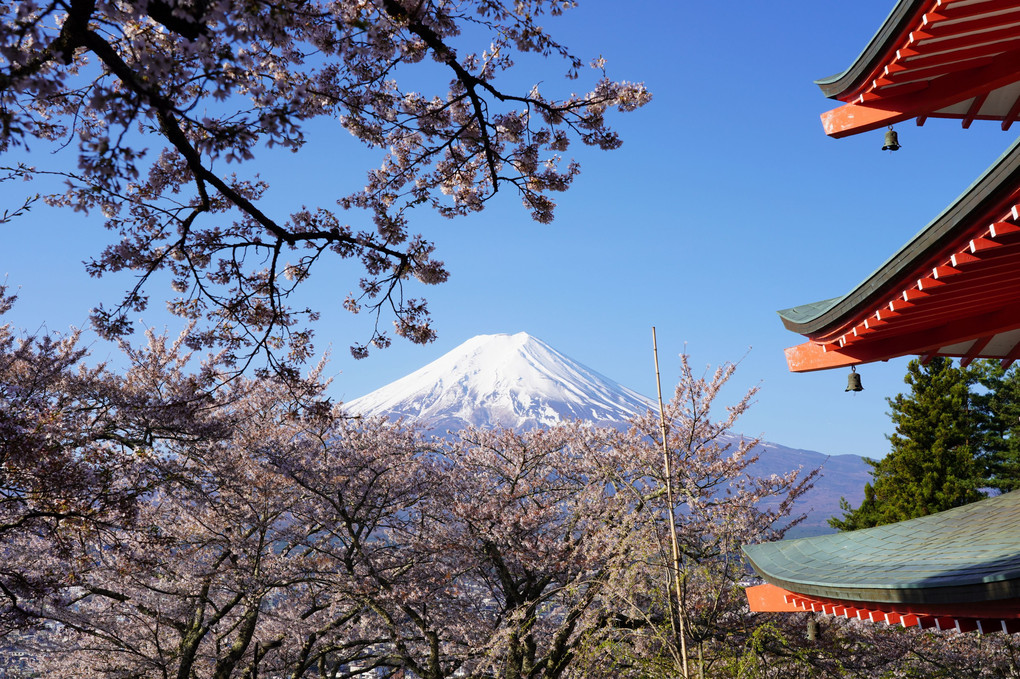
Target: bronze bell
(812,629)
(853,381)
(892,141)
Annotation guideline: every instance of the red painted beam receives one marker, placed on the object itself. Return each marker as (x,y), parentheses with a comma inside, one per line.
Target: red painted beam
(944,272)
(985,617)
(992,288)
(909,620)
(1012,356)
(939,26)
(932,71)
(769,598)
(974,109)
(1003,231)
(939,93)
(966,625)
(955,314)
(975,351)
(1010,117)
(962,259)
(930,283)
(809,356)
(989,626)
(978,245)
(853,119)
(959,9)
(947,48)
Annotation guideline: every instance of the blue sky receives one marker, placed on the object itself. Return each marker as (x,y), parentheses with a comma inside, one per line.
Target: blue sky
(726,203)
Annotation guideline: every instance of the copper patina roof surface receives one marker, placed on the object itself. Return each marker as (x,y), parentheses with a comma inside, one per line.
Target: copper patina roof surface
(967,554)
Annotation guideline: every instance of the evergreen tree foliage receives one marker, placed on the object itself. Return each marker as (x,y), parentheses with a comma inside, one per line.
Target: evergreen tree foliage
(998,406)
(934,462)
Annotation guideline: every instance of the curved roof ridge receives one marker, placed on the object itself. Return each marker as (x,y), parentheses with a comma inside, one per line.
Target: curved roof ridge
(899,17)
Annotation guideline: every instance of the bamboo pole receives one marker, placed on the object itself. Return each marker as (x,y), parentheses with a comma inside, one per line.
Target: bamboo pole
(674,540)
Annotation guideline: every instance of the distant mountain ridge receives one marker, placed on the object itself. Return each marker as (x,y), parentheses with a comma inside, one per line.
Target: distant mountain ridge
(520,382)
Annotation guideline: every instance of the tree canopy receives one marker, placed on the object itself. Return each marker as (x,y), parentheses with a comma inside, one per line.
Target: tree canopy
(153,527)
(997,402)
(933,462)
(169,104)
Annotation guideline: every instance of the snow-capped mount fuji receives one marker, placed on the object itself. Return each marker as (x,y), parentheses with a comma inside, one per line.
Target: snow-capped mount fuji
(522,383)
(516,381)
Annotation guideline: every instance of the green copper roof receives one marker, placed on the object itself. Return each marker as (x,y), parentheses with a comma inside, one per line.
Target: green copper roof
(962,555)
(987,193)
(863,65)
(805,312)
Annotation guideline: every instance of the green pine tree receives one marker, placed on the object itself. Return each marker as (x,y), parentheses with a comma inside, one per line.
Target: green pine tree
(933,463)
(998,405)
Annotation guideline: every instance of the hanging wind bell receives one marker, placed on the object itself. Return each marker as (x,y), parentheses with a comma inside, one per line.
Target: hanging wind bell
(892,141)
(853,381)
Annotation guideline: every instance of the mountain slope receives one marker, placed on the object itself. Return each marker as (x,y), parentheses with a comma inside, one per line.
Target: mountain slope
(516,381)
(842,476)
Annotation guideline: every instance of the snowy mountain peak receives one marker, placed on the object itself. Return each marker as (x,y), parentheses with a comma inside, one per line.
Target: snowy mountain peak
(516,381)
(521,382)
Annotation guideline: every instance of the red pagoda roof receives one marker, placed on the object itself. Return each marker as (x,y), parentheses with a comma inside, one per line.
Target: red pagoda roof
(932,59)
(951,291)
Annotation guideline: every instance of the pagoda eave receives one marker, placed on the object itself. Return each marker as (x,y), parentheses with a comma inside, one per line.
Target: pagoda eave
(950,291)
(975,617)
(932,58)
(961,563)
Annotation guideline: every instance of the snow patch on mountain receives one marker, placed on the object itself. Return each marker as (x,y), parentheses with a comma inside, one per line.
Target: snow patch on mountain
(516,381)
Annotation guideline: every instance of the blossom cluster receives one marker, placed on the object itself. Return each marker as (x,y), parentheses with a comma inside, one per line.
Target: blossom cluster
(160,97)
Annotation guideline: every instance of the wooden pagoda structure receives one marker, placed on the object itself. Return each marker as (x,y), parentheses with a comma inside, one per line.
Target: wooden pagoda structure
(953,290)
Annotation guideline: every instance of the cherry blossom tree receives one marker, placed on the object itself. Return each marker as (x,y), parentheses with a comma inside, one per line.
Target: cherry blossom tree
(74,440)
(161,98)
(527,535)
(719,503)
(303,542)
(362,489)
(162,528)
(229,570)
